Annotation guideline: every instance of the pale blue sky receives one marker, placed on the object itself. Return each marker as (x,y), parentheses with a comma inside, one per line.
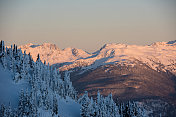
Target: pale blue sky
(87,24)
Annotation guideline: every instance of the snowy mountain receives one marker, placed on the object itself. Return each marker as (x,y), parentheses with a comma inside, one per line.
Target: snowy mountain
(159,56)
(52,54)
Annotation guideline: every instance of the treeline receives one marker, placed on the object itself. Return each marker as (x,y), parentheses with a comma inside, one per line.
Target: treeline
(106,107)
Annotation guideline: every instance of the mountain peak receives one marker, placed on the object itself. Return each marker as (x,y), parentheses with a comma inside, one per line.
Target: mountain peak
(113,45)
(47,44)
(52,54)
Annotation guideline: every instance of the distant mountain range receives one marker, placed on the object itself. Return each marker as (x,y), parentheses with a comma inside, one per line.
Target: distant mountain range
(159,56)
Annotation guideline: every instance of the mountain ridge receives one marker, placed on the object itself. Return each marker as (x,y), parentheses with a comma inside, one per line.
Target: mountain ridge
(158,55)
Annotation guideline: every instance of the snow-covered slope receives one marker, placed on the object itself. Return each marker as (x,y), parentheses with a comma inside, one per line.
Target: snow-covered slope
(67,108)
(52,54)
(9,91)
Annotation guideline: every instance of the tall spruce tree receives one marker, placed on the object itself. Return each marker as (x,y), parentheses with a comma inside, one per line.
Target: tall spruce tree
(84,101)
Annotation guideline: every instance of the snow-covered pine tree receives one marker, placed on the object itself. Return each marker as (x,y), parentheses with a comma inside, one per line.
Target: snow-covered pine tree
(55,105)
(46,99)
(8,112)
(1,49)
(112,109)
(69,89)
(33,104)
(48,74)
(102,107)
(131,109)
(31,62)
(38,57)
(18,63)
(22,70)
(4,61)
(99,104)
(3,55)
(21,105)
(38,69)
(85,101)
(2,110)
(92,108)
(61,89)
(12,60)
(26,65)
(27,105)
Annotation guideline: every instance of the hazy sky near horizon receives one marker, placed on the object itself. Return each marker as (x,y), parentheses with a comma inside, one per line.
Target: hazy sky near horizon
(87,24)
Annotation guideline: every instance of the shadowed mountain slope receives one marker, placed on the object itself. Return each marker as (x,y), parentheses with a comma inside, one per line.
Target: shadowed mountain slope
(127,82)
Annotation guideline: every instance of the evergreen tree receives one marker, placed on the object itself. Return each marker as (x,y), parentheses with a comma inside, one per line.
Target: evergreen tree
(92,108)
(23,71)
(26,65)
(31,62)
(2,111)
(12,60)
(38,57)
(131,109)
(1,46)
(21,105)
(55,105)
(8,112)
(69,90)
(33,105)
(2,49)
(16,77)
(3,55)
(112,109)
(84,101)
(4,61)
